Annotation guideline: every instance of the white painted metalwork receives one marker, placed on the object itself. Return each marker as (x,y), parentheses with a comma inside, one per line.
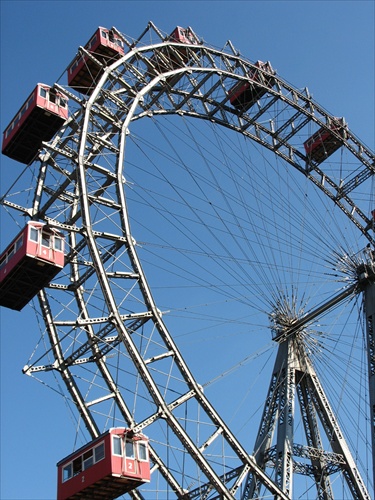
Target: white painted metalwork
(103,308)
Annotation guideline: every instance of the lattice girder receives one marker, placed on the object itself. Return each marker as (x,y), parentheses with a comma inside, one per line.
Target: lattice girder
(107,308)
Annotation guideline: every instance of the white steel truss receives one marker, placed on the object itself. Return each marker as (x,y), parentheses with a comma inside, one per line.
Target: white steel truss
(109,304)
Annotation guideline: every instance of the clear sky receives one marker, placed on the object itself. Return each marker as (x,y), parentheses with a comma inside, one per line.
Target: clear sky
(327,46)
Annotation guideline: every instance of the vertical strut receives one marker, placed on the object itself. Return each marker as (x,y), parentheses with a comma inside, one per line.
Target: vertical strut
(367,275)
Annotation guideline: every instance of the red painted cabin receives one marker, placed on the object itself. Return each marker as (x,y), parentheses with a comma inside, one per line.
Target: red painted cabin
(246,93)
(29,263)
(38,120)
(186,36)
(106,46)
(168,59)
(106,468)
(324,143)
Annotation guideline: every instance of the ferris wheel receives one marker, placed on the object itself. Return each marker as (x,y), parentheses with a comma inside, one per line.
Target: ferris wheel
(218,288)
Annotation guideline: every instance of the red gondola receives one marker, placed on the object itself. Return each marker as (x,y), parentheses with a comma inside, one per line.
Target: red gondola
(183,35)
(324,142)
(111,465)
(38,120)
(243,95)
(29,263)
(106,46)
(176,57)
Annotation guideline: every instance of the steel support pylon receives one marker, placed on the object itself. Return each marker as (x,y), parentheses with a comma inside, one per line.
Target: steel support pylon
(102,307)
(366,275)
(295,384)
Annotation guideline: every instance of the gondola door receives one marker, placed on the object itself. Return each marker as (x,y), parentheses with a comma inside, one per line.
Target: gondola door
(130,457)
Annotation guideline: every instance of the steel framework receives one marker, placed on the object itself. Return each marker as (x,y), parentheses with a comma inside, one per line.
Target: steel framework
(80,189)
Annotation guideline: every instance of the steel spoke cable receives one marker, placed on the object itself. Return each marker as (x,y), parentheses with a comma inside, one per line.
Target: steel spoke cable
(266,239)
(220,219)
(226,200)
(343,371)
(232,256)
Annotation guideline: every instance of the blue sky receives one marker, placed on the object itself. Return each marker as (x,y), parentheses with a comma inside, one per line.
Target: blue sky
(327,46)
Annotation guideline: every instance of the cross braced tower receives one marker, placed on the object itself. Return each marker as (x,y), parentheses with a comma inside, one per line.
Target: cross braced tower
(238,216)
(295,384)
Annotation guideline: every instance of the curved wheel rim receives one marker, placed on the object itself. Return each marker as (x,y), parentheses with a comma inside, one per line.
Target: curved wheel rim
(108,301)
